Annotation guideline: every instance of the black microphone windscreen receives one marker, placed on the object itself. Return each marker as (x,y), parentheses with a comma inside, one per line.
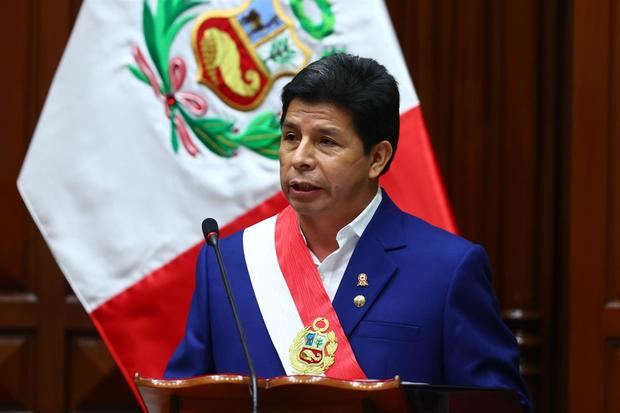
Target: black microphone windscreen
(209,226)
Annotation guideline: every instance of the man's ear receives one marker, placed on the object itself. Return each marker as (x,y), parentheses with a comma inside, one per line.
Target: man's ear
(380,154)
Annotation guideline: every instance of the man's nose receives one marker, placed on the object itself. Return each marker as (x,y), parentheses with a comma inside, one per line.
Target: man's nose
(303,156)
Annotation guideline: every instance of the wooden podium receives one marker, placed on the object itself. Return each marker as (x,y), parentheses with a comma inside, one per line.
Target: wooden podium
(230,394)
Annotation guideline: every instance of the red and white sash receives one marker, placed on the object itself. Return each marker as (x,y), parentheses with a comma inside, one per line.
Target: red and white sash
(290,292)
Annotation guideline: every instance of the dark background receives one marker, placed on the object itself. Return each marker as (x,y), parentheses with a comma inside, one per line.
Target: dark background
(519,98)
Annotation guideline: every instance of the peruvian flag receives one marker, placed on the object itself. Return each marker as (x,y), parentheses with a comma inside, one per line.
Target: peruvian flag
(164,112)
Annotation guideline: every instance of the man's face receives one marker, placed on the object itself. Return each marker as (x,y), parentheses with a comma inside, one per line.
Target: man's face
(323,169)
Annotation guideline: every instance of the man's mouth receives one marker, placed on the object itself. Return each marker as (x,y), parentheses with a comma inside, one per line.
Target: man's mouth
(303,186)
(303,191)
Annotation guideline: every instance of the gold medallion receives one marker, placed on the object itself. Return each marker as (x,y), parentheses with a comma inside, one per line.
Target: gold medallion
(313,348)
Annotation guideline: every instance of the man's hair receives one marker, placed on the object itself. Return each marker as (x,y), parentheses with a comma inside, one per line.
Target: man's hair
(359,85)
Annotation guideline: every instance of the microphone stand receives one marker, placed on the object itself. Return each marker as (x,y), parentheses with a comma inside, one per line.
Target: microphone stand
(212,239)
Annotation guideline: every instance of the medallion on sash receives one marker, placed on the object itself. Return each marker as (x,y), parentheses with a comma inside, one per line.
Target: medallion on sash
(313,348)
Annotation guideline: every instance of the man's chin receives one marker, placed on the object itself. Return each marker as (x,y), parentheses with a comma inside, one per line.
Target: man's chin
(310,209)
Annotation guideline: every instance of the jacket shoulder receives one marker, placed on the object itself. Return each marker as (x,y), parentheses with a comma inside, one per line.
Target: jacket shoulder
(428,237)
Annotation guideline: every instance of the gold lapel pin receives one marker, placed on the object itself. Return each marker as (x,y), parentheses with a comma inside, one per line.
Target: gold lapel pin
(359,301)
(362,280)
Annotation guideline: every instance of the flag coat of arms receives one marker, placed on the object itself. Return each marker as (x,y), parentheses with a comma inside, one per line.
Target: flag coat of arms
(163,112)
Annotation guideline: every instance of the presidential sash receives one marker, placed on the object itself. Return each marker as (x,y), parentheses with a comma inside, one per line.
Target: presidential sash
(298,313)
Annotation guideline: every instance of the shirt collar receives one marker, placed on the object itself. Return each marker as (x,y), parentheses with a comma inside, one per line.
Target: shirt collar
(354,229)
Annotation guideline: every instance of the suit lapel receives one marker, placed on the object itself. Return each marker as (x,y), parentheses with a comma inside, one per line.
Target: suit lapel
(371,257)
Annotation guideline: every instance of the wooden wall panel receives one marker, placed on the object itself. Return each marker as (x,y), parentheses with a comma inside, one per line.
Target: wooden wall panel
(612,375)
(39,315)
(17,284)
(17,373)
(93,377)
(594,299)
(519,135)
(14,24)
(612,289)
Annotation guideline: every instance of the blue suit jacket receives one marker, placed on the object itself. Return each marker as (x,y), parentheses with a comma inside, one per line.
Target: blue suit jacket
(430,315)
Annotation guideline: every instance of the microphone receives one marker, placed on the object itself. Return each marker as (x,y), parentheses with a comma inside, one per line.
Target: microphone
(211,233)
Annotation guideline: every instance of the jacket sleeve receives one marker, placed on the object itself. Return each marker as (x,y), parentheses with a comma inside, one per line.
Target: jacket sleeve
(479,349)
(193,356)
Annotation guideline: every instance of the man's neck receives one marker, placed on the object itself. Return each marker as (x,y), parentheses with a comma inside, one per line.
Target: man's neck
(321,239)
(321,232)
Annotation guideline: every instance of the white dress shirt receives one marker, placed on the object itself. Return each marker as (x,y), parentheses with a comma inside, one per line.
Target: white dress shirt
(334,265)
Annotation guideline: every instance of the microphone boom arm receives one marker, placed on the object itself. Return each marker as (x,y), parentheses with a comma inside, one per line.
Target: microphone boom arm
(211,233)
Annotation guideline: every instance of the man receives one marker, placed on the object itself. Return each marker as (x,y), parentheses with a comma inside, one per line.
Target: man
(342,282)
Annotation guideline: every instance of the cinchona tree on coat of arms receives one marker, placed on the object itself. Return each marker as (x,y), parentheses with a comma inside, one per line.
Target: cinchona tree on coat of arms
(239,54)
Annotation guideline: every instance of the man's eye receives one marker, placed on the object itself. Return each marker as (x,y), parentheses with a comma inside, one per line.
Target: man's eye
(289,136)
(327,142)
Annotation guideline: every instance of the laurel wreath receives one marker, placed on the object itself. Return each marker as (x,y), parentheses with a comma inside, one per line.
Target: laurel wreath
(261,135)
(320,30)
